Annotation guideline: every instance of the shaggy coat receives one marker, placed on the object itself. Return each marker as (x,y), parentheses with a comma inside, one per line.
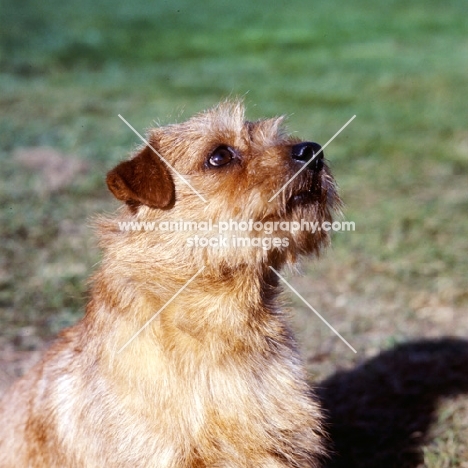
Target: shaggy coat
(211,376)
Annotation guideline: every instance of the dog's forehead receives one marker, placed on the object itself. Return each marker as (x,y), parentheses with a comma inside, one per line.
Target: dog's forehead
(224,124)
(267,132)
(228,120)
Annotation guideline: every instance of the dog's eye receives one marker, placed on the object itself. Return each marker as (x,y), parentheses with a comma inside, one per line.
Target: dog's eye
(221,156)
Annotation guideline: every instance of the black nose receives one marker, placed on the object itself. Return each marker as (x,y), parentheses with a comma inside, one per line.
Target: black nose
(305,151)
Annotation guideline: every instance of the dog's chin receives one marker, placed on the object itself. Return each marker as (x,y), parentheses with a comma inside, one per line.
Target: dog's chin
(305,198)
(313,194)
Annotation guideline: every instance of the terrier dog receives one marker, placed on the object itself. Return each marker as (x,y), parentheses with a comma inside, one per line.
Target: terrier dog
(184,358)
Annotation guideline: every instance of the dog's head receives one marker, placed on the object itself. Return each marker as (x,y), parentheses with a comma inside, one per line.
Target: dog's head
(247,184)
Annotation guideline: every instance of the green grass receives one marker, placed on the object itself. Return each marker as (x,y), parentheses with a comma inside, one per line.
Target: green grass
(67,69)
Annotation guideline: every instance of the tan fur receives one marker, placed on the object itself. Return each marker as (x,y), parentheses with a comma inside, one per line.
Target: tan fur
(215,379)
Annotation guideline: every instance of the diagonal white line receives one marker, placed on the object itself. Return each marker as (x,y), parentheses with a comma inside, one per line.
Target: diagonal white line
(312,158)
(313,310)
(144,140)
(160,310)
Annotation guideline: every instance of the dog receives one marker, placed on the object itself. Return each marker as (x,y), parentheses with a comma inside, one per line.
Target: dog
(184,358)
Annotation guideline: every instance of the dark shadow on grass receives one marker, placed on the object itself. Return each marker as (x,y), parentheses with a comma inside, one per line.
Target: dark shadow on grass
(380,412)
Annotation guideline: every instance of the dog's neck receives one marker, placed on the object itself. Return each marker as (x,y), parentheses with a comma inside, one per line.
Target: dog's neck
(232,311)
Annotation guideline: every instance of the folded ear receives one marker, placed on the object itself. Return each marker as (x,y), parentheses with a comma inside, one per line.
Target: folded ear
(143,180)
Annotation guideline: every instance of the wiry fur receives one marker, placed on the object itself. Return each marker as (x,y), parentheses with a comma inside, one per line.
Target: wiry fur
(215,379)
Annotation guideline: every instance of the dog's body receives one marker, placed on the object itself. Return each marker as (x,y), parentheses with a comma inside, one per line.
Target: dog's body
(214,379)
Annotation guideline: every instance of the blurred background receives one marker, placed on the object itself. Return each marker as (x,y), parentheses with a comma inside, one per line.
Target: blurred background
(67,69)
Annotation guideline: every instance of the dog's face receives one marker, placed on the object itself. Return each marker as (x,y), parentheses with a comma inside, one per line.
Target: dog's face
(247,174)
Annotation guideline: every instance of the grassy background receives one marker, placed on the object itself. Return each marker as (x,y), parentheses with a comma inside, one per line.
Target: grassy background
(68,69)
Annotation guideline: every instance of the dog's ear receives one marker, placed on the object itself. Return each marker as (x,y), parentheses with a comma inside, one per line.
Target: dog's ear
(143,180)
